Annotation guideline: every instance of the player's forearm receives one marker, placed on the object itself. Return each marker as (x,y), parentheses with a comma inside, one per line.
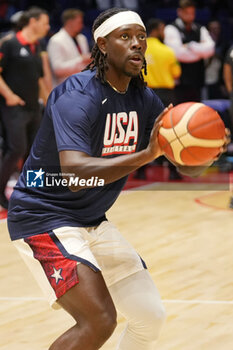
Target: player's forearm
(109,169)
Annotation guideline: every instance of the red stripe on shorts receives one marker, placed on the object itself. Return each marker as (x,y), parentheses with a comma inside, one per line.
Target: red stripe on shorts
(60,271)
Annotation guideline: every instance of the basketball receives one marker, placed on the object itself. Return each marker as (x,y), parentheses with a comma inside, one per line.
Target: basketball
(191,134)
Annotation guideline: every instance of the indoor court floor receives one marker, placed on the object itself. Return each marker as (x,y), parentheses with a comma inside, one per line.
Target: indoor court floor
(186,238)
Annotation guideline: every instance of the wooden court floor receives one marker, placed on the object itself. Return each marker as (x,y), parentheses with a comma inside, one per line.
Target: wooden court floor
(188,248)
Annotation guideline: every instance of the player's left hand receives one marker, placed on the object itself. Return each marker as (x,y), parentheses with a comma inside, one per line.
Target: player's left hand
(227,140)
(195,171)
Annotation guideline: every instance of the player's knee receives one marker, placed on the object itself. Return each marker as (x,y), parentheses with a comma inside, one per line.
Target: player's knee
(105,323)
(97,328)
(153,320)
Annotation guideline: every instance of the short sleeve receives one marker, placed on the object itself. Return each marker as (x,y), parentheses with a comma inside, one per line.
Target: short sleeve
(72,116)
(155,108)
(229,56)
(4,54)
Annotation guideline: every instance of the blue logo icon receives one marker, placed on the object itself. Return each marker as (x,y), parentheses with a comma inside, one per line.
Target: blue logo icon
(35,178)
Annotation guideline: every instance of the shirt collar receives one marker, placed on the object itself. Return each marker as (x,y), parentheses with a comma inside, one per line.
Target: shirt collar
(22,40)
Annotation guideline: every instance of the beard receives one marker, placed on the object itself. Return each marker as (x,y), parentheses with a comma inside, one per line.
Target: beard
(133,73)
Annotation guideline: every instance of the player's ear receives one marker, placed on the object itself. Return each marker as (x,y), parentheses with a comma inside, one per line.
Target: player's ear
(101,42)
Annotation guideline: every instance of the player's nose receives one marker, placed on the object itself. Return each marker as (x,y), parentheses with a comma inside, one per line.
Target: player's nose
(135,43)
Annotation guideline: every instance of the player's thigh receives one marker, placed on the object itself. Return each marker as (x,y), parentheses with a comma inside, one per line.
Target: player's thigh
(67,272)
(116,257)
(89,300)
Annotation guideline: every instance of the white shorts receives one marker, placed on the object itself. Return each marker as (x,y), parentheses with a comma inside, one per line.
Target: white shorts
(53,256)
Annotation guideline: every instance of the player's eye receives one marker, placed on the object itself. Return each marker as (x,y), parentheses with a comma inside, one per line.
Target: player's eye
(124,36)
(142,37)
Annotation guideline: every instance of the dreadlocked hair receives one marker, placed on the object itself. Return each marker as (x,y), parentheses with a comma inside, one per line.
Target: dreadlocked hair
(99,59)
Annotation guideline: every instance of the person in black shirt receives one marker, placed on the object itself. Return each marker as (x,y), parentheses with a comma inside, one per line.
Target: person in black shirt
(192,44)
(20,79)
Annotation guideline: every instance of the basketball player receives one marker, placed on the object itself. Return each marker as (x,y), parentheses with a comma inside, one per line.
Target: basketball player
(99,125)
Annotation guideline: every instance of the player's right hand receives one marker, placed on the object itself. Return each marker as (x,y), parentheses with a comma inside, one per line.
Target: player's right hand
(153,145)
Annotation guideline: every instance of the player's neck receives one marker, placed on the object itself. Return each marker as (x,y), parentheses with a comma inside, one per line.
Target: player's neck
(115,89)
(118,85)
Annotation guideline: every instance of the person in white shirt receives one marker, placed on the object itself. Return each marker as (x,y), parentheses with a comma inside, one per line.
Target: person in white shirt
(192,44)
(68,49)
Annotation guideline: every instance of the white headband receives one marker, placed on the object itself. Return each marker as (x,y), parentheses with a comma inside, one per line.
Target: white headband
(116,21)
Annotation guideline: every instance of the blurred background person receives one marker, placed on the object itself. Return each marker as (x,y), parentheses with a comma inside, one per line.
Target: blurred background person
(162,66)
(106,4)
(17,23)
(228,79)
(214,84)
(14,19)
(21,77)
(192,44)
(162,71)
(68,49)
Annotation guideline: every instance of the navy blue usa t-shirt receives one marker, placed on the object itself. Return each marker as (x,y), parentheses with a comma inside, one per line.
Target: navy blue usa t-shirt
(82,114)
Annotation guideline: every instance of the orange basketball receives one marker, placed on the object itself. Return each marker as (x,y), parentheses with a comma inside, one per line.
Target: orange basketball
(191,134)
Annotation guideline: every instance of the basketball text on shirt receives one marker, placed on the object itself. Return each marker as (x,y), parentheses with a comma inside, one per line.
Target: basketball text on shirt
(121,133)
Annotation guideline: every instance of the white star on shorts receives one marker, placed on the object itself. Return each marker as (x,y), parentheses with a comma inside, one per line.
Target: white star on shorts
(57,275)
